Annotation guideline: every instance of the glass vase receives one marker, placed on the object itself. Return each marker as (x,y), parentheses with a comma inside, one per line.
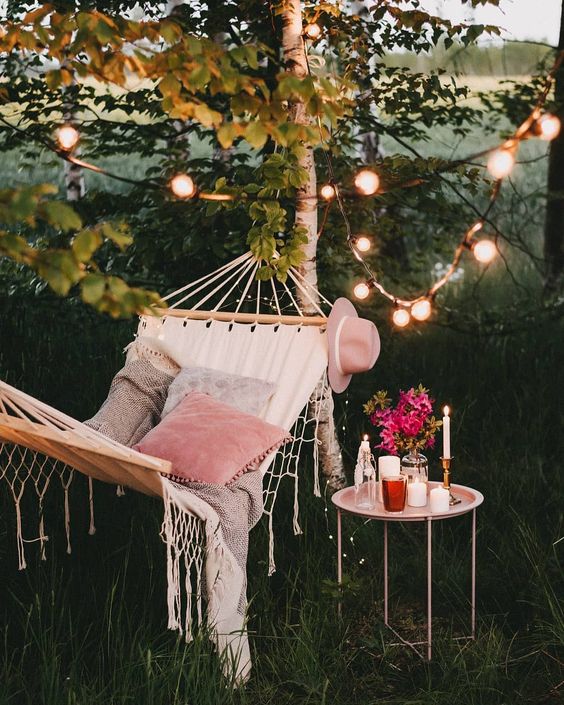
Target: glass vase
(415,467)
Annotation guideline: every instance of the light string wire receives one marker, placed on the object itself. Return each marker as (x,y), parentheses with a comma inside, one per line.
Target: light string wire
(507,147)
(510,145)
(521,133)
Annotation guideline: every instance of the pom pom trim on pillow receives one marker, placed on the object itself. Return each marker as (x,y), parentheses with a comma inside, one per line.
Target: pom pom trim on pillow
(250,467)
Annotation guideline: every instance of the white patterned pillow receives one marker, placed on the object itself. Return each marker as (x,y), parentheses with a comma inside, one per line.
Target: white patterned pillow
(247,394)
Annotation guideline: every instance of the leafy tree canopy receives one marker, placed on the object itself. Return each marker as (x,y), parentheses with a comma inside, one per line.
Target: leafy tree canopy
(204,90)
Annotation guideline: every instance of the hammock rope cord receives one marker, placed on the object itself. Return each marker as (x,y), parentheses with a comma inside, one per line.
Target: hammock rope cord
(242,331)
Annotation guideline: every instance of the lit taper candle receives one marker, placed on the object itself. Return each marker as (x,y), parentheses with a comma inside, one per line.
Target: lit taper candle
(446,433)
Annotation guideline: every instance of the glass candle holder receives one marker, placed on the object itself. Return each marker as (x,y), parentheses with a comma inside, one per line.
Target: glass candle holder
(394,490)
(415,467)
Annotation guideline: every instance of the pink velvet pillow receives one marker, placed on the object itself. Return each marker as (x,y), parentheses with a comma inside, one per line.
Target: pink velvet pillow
(208,441)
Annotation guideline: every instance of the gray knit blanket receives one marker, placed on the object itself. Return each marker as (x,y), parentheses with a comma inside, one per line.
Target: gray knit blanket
(239,506)
(135,402)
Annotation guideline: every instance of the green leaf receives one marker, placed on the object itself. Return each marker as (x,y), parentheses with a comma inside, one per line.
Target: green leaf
(255,134)
(199,77)
(264,273)
(206,115)
(226,134)
(85,244)
(170,86)
(60,215)
(118,235)
(170,31)
(92,288)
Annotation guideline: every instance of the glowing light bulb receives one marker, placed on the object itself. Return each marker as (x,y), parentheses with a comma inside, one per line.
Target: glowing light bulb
(484,251)
(500,163)
(421,310)
(367,182)
(183,186)
(548,127)
(401,317)
(312,30)
(67,137)
(328,192)
(361,290)
(362,244)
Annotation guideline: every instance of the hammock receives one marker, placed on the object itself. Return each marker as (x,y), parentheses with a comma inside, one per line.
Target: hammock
(223,327)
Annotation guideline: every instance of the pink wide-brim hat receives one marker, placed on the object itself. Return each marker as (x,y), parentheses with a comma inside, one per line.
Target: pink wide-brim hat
(354,344)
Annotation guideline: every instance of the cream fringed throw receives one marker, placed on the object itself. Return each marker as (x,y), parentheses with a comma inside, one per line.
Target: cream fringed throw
(227,513)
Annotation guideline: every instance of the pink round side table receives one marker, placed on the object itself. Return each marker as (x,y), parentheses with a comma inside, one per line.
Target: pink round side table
(470,500)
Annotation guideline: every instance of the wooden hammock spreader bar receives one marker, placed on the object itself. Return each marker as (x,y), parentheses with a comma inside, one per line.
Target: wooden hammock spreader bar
(101,463)
(229,317)
(70,439)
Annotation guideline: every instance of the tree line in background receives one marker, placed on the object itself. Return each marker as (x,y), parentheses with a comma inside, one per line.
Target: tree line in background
(208,89)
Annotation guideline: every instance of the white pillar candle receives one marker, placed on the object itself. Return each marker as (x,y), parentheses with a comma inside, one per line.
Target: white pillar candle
(446,433)
(439,498)
(417,493)
(388,465)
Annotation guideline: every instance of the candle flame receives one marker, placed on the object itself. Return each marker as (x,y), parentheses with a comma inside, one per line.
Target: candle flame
(446,411)
(365,437)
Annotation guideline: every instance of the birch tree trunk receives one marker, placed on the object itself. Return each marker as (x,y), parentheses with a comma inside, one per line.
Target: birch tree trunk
(306,216)
(74,176)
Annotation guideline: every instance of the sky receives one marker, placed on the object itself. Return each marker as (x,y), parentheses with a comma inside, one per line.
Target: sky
(538,20)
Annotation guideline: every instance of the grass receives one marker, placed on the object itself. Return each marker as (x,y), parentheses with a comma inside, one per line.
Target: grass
(89,628)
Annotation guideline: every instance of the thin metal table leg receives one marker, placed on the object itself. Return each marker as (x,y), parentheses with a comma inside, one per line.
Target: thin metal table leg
(429,588)
(386,573)
(339,560)
(473,632)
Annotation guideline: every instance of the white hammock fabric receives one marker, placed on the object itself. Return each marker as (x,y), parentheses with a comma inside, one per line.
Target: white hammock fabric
(40,442)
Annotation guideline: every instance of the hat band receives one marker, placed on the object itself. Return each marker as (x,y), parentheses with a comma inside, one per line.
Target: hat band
(337,346)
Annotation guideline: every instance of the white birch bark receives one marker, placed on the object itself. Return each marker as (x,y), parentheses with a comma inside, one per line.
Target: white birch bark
(73,175)
(306,216)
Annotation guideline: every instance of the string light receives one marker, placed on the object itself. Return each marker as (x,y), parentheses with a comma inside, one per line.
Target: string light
(484,251)
(67,136)
(367,182)
(401,317)
(361,290)
(362,243)
(183,186)
(327,192)
(312,30)
(547,127)
(501,162)
(421,310)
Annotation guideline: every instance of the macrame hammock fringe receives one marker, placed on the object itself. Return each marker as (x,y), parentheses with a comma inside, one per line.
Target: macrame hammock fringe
(233,333)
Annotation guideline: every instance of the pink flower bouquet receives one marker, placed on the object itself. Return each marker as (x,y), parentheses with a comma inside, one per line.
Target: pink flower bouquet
(409,426)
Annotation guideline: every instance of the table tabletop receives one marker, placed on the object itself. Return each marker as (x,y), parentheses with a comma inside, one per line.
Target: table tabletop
(469,500)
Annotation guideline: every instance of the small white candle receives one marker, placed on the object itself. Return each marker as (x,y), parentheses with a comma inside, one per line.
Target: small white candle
(446,433)
(439,498)
(388,465)
(417,493)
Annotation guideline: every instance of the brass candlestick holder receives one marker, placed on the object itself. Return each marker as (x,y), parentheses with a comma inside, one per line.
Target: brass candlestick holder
(446,481)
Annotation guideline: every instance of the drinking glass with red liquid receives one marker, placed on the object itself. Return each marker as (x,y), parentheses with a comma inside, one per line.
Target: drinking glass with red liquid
(394,491)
